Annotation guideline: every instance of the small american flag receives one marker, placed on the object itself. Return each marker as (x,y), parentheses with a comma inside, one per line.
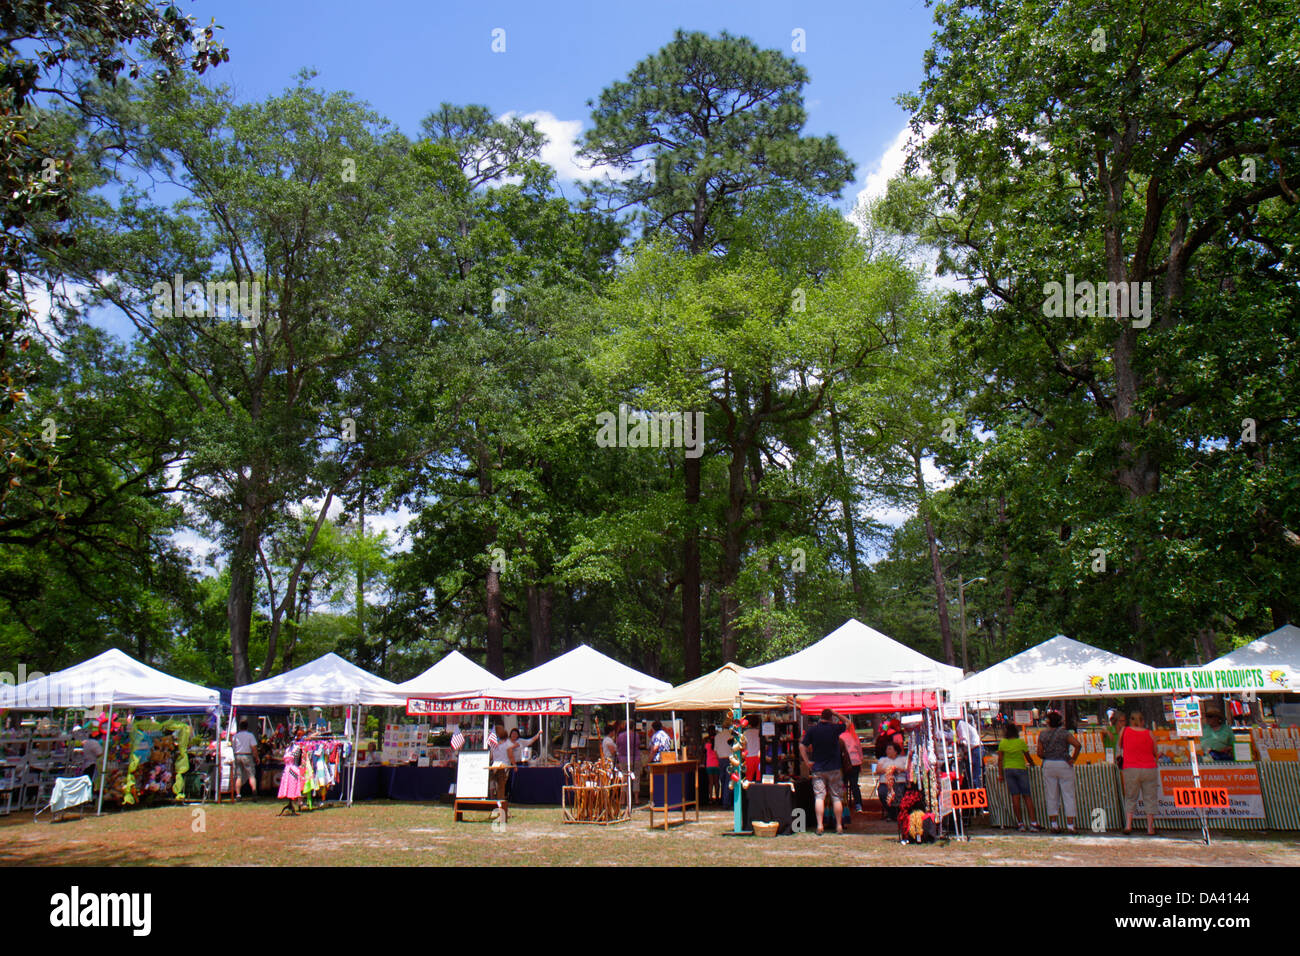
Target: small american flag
(457,740)
(492,739)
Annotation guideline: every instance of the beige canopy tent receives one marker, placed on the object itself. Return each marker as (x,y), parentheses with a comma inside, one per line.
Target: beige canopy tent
(718,690)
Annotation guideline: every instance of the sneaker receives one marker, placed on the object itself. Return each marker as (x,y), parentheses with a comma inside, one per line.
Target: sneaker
(1020,827)
(1035,827)
(1070,829)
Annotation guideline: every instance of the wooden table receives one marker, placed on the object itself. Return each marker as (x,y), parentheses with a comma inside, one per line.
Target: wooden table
(686,769)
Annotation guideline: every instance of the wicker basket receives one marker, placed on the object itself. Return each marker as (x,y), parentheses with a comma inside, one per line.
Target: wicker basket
(766,829)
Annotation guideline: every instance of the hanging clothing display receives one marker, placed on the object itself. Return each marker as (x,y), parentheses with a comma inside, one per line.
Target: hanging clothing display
(311,767)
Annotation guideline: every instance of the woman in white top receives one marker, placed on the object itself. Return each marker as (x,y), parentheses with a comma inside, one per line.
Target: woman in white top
(517,746)
(502,748)
(609,746)
(891,771)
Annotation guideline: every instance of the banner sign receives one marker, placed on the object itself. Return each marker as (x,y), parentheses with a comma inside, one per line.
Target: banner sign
(468,706)
(1240,786)
(1181,680)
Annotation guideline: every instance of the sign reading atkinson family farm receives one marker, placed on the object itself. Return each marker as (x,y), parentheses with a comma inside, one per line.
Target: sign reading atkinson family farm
(1167,680)
(466,706)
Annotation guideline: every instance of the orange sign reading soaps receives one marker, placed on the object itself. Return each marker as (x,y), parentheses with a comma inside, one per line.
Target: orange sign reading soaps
(970,799)
(1209,797)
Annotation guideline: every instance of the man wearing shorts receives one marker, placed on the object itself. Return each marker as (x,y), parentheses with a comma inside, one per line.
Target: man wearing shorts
(245,746)
(820,747)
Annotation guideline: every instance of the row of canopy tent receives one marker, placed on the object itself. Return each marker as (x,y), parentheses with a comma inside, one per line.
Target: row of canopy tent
(860,668)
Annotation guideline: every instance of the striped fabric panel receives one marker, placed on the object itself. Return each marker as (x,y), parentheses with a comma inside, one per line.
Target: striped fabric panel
(1280,783)
(1098,786)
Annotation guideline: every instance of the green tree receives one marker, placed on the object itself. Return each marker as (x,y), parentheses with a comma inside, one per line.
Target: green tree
(707,123)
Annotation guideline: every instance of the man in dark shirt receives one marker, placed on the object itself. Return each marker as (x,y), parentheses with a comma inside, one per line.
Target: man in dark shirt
(820,747)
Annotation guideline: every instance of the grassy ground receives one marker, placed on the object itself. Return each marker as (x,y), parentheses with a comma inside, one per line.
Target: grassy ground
(388,833)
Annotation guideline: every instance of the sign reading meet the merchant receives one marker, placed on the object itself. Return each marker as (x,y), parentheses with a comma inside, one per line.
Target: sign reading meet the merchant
(1183,679)
(466,706)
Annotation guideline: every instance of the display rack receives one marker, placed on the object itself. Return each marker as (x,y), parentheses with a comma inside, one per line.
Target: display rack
(785,749)
(29,764)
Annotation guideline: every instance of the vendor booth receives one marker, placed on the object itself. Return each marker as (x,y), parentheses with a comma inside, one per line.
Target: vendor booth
(151,757)
(586,676)
(1261,796)
(718,690)
(328,681)
(856,659)
(852,659)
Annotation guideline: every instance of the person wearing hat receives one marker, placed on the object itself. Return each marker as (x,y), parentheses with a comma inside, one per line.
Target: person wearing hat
(1216,736)
(91,751)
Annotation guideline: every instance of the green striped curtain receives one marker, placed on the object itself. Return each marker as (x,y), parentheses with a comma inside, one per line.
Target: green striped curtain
(1097,786)
(1280,784)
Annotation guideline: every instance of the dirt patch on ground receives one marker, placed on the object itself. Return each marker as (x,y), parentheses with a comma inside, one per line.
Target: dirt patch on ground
(388,833)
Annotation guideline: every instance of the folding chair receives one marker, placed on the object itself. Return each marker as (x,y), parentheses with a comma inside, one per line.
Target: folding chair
(68,792)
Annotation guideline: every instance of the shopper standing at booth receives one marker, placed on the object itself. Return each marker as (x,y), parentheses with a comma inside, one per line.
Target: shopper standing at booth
(820,747)
(1058,749)
(969,735)
(1141,775)
(245,747)
(722,749)
(1013,770)
(854,747)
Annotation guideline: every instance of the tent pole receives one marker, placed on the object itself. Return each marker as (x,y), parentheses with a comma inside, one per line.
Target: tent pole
(234,780)
(103,772)
(627,722)
(216,753)
(356,743)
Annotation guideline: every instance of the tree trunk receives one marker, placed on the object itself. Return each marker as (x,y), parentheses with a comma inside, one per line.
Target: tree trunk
(1008,596)
(539,621)
(846,506)
(491,579)
(936,564)
(731,548)
(691,573)
(239,603)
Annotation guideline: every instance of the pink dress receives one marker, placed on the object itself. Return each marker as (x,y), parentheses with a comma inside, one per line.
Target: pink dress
(291,781)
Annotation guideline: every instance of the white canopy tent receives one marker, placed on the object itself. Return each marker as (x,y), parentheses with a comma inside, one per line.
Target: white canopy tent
(1276,653)
(584,674)
(453,676)
(328,681)
(588,677)
(853,658)
(1057,668)
(112,679)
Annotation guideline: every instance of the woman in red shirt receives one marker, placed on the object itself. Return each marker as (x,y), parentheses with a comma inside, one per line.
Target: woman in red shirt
(1141,776)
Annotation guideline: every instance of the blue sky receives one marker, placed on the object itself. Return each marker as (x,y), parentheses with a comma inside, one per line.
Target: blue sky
(404,57)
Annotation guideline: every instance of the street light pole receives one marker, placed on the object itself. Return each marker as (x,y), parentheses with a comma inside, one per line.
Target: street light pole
(961,601)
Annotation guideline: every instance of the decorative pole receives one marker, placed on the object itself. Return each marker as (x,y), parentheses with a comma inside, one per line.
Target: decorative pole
(737,768)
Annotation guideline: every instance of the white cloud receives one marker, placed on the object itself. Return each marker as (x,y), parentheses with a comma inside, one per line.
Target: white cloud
(885,168)
(560,151)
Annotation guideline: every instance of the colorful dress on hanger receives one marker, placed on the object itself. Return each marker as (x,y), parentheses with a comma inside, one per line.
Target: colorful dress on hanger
(291,780)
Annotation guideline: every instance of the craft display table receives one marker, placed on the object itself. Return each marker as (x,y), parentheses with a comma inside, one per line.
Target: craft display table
(771,803)
(676,790)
